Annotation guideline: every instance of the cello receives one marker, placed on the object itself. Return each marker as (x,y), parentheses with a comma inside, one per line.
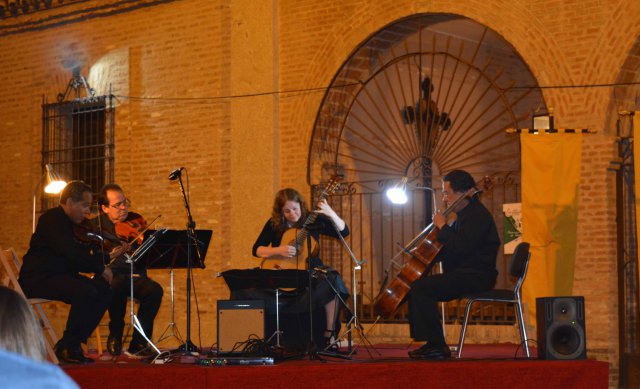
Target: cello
(422,251)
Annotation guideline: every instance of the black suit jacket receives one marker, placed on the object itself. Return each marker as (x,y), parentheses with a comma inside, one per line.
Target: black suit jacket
(54,250)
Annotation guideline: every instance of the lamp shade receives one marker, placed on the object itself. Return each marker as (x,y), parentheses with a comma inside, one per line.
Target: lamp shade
(53,183)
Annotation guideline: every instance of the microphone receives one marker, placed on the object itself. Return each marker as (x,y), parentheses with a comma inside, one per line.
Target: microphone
(175,174)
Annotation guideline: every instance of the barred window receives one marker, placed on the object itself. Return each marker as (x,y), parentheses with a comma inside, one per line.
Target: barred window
(77,141)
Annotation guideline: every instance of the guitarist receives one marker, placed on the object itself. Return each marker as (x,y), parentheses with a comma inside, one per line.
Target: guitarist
(278,246)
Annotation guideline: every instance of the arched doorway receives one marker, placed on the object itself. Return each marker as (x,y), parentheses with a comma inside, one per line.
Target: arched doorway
(424,95)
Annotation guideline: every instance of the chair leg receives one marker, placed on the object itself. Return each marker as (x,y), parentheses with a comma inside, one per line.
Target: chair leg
(51,338)
(98,336)
(523,330)
(52,354)
(463,330)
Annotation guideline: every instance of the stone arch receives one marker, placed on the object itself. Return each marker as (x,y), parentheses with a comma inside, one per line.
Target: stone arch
(367,126)
(625,96)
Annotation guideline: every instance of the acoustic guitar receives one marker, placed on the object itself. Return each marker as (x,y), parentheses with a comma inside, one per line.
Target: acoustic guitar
(297,237)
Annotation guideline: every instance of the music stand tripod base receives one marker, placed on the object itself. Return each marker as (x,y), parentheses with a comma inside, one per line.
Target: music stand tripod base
(174,332)
(132,260)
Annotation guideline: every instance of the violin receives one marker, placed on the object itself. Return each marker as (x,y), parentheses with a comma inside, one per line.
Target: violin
(132,229)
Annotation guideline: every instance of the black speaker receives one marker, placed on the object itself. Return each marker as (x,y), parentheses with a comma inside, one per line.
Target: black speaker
(238,320)
(561,329)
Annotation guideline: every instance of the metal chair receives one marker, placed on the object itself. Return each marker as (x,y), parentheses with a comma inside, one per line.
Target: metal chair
(518,269)
(11,264)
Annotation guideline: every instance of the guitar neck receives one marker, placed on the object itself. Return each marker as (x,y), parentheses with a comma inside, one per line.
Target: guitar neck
(302,234)
(304,231)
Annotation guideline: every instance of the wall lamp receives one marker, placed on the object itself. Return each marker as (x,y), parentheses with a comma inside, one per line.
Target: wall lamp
(398,193)
(52,184)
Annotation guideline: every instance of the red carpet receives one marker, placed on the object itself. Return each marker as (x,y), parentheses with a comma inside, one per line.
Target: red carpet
(486,366)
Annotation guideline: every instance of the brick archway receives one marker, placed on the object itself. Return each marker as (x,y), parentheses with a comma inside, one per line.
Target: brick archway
(378,121)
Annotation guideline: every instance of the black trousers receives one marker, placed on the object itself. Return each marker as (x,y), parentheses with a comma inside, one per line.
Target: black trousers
(147,292)
(426,292)
(89,299)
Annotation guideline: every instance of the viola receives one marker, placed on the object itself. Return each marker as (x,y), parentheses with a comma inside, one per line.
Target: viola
(132,229)
(86,233)
(422,251)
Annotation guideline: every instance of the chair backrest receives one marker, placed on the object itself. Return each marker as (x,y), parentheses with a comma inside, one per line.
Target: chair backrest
(11,266)
(520,264)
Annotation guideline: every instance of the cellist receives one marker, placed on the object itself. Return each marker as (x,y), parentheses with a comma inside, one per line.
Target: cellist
(116,219)
(470,246)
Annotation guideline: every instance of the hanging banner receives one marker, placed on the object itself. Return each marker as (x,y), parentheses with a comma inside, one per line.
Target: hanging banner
(550,181)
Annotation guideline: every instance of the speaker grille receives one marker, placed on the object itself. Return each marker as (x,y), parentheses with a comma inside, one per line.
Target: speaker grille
(565,340)
(564,309)
(238,321)
(561,327)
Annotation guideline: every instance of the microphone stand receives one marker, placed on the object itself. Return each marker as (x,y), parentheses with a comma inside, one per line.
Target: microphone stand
(312,348)
(354,323)
(188,347)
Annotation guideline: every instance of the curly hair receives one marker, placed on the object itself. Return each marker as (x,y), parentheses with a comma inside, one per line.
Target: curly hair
(284,195)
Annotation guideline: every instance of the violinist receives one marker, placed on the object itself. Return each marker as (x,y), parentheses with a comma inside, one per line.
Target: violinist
(52,265)
(116,219)
(470,246)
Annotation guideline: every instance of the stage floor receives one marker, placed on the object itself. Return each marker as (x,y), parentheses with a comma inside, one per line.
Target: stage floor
(380,366)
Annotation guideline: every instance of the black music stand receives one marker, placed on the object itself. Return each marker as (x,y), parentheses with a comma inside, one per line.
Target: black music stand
(170,252)
(240,281)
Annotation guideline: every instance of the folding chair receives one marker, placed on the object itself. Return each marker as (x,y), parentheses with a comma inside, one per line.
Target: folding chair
(518,270)
(11,264)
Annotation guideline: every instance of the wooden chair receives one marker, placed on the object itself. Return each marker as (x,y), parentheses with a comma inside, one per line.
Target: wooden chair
(97,333)
(518,270)
(11,264)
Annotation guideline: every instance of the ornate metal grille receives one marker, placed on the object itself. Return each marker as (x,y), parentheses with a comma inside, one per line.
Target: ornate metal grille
(77,140)
(422,96)
(379,230)
(629,308)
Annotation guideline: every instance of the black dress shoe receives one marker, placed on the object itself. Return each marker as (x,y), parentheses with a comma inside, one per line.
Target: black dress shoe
(425,348)
(114,345)
(431,351)
(421,349)
(71,355)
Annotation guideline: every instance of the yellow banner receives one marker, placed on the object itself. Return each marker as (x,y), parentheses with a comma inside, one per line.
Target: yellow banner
(550,180)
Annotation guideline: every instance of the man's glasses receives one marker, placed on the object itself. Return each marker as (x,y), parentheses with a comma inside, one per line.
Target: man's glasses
(122,204)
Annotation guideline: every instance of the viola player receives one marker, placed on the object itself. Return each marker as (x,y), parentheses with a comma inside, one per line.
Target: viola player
(470,246)
(52,265)
(116,219)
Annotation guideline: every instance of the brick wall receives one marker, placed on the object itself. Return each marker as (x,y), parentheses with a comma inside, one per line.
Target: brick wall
(187,57)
